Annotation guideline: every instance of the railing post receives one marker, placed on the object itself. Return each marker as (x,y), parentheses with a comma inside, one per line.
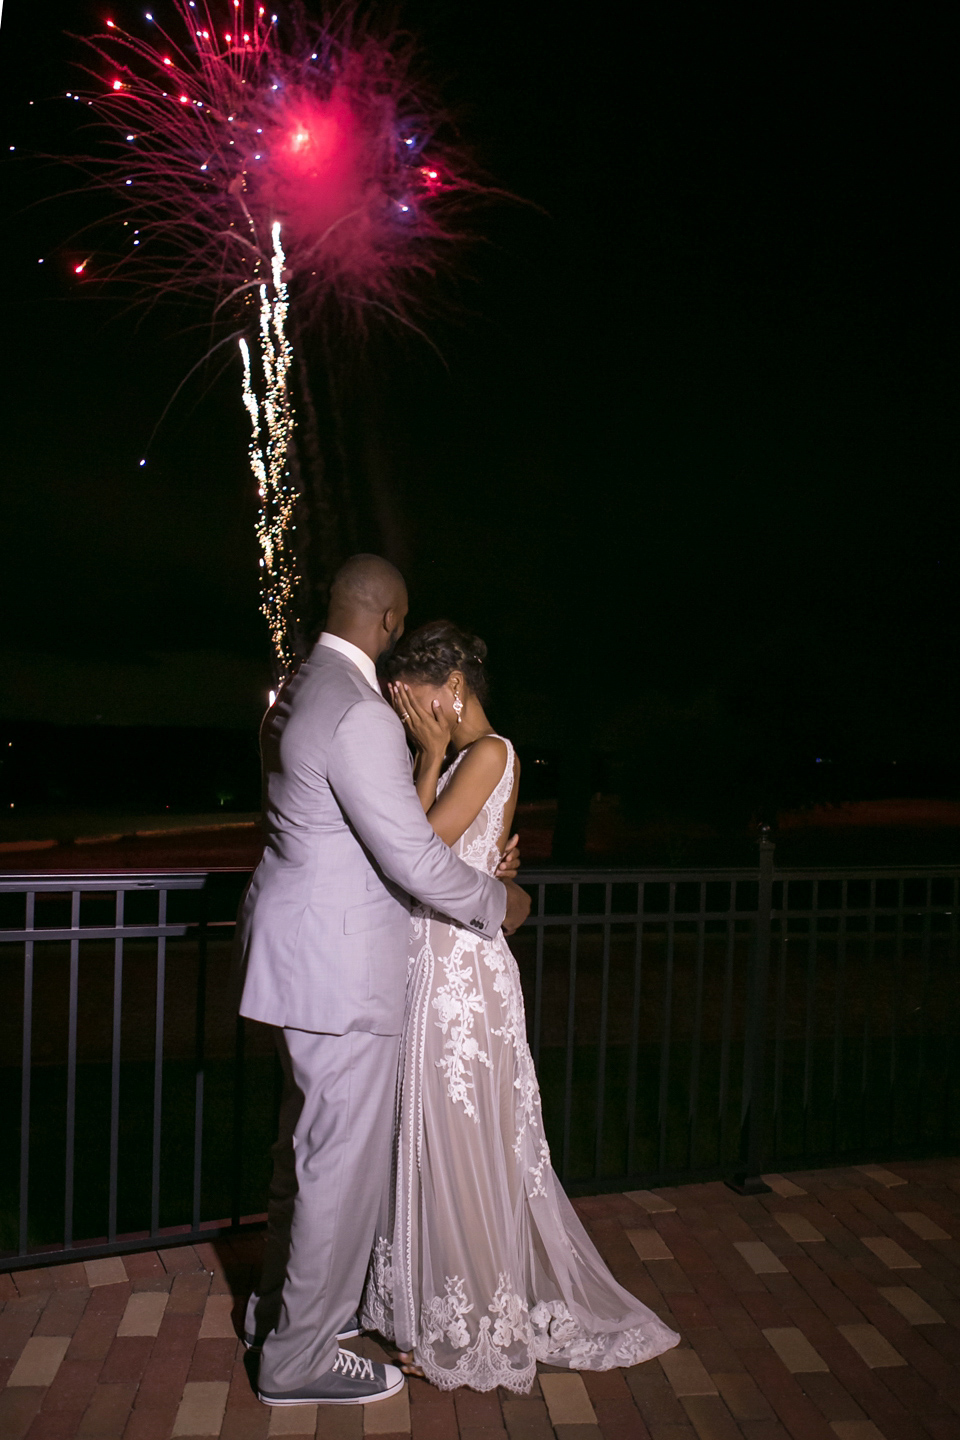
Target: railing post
(746,1178)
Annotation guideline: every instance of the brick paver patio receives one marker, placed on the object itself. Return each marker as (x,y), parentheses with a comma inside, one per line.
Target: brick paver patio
(828,1310)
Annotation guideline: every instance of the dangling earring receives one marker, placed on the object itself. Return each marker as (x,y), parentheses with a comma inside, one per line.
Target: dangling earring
(458,706)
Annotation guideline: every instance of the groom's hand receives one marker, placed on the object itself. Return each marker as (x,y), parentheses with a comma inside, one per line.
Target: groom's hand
(510,863)
(518,907)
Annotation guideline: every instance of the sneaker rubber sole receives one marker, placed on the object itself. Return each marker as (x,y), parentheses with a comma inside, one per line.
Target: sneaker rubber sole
(351,1400)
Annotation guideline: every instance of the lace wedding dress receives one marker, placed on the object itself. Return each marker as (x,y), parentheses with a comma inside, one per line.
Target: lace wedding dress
(482,1268)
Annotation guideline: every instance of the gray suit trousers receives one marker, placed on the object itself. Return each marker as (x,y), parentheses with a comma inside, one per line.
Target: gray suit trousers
(331,1167)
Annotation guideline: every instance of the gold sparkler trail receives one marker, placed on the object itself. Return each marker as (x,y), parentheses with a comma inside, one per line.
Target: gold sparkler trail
(272,423)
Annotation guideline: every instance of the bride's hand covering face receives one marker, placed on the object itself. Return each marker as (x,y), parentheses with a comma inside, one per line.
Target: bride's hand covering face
(423,718)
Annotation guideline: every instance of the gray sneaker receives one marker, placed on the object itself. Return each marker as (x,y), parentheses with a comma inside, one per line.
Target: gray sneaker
(350,1331)
(351,1380)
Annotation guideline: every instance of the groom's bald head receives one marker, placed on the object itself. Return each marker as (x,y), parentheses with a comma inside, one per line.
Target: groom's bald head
(366,584)
(368,603)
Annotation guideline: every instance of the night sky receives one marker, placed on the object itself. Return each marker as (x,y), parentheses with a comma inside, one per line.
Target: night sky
(693,450)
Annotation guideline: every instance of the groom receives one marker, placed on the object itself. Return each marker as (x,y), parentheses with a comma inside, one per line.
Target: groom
(322,940)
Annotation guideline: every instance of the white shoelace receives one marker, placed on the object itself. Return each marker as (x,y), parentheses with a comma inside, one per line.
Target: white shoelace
(354,1367)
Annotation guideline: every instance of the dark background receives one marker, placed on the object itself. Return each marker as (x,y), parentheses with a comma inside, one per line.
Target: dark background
(690,466)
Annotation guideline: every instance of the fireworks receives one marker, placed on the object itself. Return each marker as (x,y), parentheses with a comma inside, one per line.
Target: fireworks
(266,171)
(229,130)
(269,461)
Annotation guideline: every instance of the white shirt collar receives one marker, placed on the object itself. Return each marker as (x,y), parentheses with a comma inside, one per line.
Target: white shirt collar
(353,652)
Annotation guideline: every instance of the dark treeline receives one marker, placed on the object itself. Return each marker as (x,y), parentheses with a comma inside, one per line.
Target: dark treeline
(685,765)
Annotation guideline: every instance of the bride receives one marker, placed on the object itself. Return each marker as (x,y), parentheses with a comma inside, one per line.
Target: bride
(482,1267)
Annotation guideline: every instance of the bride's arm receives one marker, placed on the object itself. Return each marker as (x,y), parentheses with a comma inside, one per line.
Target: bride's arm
(470,787)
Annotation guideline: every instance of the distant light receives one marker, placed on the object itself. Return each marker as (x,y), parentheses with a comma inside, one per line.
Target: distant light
(13,147)
(131,137)
(184,99)
(410,140)
(110,25)
(39,262)
(167,60)
(118,84)
(142,463)
(403,207)
(128,182)
(273,697)
(149,16)
(818,761)
(79,269)
(203,166)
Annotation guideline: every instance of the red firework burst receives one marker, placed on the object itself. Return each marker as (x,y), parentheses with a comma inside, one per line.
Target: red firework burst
(218,134)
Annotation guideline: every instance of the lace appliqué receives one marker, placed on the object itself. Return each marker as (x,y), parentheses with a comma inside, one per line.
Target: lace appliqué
(560,1339)
(485,1364)
(457,1003)
(377,1308)
(513,1032)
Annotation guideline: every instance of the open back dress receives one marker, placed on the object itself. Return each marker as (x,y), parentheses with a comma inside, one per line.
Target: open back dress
(482,1267)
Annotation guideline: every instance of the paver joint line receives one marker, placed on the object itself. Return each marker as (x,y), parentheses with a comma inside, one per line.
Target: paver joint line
(687,1373)
(921,1225)
(794,1349)
(39,1361)
(882,1176)
(873,1348)
(890,1253)
(567,1400)
(912,1306)
(760,1257)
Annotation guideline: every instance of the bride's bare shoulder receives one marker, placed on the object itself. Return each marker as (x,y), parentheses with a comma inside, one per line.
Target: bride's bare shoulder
(489,757)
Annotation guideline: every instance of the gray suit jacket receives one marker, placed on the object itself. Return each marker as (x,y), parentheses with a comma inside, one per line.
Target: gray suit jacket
(322,932)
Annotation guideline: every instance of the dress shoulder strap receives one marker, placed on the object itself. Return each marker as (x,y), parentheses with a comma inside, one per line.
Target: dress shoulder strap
(505,783)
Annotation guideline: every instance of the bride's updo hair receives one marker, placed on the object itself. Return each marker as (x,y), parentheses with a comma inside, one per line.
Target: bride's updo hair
(432,652)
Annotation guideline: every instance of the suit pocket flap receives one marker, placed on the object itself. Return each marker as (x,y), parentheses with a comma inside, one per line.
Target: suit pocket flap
(385,911)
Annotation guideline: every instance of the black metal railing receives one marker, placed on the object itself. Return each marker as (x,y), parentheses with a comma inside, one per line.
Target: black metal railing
(685,1024)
